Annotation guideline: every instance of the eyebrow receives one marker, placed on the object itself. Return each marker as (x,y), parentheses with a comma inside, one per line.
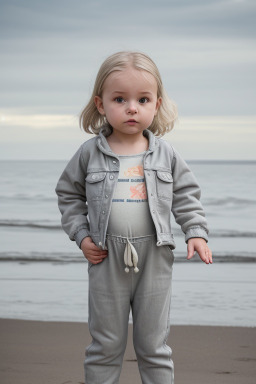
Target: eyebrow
(142,92)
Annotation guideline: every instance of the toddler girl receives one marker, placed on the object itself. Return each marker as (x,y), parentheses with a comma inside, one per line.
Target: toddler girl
(116,196)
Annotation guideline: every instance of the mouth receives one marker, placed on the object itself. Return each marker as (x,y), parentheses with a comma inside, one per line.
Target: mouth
(132,121)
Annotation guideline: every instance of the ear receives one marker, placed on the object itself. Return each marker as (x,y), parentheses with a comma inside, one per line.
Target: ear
(158,103)
(99,104)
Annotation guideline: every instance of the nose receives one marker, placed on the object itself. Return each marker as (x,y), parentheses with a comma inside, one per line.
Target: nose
(132,108)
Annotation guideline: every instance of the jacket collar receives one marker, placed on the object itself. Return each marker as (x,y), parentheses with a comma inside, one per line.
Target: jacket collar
(106,131)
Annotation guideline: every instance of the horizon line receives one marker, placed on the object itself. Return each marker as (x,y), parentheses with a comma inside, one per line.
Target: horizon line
(188,160)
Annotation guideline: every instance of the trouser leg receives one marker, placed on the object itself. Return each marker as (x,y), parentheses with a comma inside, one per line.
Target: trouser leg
(109,306)
(151,314)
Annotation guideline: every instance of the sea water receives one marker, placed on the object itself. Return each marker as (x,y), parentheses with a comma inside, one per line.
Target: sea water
(43,275)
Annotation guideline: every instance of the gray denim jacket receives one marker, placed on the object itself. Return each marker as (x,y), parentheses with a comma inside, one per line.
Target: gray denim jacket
(86,187)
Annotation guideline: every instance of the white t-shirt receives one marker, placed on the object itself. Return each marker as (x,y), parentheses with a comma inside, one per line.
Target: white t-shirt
(130,215)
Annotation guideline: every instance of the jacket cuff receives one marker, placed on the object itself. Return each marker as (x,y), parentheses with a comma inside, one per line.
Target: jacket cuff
(196,232)
(80,235)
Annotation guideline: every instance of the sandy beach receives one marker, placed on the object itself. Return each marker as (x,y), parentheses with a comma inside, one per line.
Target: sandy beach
(36,352)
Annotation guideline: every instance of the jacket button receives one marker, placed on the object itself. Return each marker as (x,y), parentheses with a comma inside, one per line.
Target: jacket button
(114,162)
(103,212)
(111,177)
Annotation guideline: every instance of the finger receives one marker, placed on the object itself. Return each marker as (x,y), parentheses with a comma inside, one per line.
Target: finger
(92,257)
(209,255)
(96,256)
(191,251)
(93,247)
(205,259)
(205,255)
(97,252)
(96,259)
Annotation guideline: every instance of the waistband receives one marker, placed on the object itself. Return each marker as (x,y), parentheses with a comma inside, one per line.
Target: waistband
(125,240)
(131,257)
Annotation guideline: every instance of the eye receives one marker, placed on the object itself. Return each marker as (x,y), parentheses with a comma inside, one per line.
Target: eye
(119,99)
(143,100)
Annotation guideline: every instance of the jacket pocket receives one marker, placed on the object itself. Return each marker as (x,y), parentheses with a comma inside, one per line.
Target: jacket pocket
(164,185)
(94,185)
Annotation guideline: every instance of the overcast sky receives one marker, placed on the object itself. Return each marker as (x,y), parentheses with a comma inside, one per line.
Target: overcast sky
(52,50)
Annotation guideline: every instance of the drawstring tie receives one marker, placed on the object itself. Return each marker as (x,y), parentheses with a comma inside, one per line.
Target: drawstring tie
(130,257)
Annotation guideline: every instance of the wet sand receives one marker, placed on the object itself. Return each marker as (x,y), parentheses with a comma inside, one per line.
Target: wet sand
(36,352)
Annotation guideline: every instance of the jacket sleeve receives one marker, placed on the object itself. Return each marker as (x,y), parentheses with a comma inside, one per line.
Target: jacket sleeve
(187,208)
(72,199)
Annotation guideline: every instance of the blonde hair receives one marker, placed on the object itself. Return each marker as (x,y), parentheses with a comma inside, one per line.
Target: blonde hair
(91,120)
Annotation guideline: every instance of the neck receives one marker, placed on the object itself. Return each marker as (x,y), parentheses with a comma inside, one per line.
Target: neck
(127,144)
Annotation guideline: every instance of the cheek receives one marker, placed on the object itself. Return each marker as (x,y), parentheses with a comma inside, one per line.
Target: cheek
(151,113)
(114,112)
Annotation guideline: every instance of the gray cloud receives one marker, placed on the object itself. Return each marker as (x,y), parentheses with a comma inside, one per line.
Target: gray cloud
(51,50)
(33,18)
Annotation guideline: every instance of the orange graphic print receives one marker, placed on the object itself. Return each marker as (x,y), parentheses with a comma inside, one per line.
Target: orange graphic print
(135,171)
(139,191)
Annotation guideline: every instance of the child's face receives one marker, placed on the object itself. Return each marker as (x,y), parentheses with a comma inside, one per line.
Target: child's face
(129,101)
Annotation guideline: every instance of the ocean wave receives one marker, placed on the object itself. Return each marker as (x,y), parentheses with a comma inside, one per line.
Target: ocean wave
(30,224)
(232,233)
(229,201)
(28,197)
(248,257)
(216,233)
(60,257)
(77,257)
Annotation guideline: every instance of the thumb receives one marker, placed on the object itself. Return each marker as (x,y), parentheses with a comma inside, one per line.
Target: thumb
(190,250)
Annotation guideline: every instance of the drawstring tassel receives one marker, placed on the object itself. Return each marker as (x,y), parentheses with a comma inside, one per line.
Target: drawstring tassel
(130,257)
(135,257)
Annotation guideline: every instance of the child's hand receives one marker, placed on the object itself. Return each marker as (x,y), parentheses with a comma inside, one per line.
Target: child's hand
(200,246)
(91,252)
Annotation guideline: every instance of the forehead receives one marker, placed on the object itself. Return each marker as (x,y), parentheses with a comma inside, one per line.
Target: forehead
(131,77)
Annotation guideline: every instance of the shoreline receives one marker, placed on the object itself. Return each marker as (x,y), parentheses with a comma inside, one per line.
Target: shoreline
(74,322)
(53,352)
